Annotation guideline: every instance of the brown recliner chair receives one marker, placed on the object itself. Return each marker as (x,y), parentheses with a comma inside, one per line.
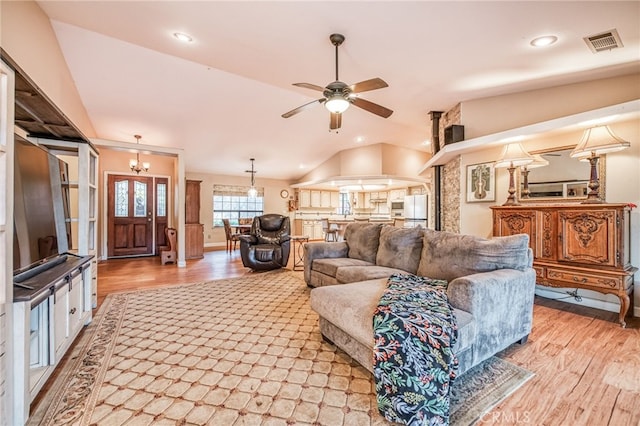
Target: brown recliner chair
(267,246)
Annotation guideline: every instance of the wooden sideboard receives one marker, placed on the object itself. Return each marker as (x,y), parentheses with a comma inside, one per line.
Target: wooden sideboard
(576,245)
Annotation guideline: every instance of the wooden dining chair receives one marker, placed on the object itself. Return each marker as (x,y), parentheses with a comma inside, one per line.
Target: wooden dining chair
(232,237)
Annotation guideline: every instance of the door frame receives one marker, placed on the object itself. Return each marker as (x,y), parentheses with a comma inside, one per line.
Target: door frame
(105,207)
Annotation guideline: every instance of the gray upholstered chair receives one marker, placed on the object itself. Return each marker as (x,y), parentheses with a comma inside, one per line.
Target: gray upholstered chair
(267,245)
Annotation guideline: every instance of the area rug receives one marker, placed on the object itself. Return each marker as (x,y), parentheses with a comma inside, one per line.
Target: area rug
(235,351)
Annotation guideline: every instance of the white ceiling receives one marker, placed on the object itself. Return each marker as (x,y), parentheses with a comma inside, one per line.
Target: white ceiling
(220,97)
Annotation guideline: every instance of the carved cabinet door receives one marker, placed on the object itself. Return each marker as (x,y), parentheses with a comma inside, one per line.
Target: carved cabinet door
(516,222)
(588,237)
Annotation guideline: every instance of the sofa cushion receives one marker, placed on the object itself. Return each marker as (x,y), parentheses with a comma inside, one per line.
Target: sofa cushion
(329,266)
(350,307)
(400,248)
(447,256)
(352,274)
(363,239)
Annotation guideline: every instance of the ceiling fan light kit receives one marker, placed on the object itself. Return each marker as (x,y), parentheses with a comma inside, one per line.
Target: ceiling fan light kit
(338,96)
(337,104)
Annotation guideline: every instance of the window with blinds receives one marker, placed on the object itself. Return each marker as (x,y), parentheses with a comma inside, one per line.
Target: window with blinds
(233,203)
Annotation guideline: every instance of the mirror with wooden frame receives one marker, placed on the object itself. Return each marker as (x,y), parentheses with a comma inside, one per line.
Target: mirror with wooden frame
(563,179)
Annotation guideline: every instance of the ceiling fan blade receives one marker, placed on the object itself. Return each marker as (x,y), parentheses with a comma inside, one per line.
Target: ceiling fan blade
(303,107)
(310,86)
(371,107)
(364,86)
(336,121)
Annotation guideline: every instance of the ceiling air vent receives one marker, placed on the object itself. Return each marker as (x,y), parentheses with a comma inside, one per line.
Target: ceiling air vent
(603,41)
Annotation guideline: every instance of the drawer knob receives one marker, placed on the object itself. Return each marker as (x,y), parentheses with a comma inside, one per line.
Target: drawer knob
(583,280)
(72,311)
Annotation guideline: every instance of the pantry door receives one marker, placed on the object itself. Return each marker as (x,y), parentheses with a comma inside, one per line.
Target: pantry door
(130,216)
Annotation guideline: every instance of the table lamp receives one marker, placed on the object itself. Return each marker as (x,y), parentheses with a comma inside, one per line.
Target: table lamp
(595,142)
(513,155)
(538,161)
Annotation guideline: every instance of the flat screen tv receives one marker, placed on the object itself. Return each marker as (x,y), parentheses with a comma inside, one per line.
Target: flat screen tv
(41,208)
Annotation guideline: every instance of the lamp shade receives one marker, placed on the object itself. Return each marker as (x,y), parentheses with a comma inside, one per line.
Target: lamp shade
(513,155)
(598,140)
(538,161)
(337,104)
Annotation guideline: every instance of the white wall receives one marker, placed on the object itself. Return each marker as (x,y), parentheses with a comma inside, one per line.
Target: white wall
(28,38)
(273,203)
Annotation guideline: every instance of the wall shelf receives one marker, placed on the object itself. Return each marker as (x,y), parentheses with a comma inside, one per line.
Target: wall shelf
(567,123)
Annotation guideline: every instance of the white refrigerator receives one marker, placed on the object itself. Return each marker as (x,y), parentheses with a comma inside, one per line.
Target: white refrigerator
(415,211)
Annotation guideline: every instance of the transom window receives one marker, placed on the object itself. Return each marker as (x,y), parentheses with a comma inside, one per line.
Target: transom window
(233,203)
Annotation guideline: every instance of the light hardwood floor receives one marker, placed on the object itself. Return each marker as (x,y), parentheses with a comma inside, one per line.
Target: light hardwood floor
(587,368)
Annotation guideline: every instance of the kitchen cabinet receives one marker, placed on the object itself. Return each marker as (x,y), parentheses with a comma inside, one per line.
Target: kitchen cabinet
(315,198)
(582,246)
(312,229)
(325,199)
(304,198)
(397,194)
(335,199)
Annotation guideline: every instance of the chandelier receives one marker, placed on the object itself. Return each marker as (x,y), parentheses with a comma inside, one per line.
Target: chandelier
(253,192)
(136,165)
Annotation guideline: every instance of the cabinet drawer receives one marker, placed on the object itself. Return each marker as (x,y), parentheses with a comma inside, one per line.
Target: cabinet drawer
(585,280)
(540,270)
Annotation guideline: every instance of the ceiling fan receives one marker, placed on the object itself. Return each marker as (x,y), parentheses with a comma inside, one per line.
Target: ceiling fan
(338,95)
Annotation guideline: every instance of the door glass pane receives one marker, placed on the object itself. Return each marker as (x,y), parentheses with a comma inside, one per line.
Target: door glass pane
(161,199)
(140,193)
(122,199)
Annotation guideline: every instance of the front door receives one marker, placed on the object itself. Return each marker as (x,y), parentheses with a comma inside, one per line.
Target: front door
(130,216)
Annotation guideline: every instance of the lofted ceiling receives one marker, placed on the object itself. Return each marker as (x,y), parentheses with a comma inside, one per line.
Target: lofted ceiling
(220,97)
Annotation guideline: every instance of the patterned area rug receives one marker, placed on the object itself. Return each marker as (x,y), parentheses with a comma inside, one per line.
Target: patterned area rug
(243,351)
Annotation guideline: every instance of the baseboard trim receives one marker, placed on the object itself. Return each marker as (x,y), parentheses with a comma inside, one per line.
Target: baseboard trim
(215,245)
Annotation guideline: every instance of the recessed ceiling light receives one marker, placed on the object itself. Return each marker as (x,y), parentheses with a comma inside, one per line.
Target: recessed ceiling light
(360,139)
(183,37)
(544,41)
(426,142)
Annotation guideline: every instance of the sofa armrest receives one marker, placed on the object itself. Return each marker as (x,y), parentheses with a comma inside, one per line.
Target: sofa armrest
(501,303)
(322,250)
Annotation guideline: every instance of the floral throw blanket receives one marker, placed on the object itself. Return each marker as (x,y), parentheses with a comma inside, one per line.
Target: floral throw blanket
(414,365)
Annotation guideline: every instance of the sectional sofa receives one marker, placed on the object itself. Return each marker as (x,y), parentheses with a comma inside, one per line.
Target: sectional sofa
(491,285)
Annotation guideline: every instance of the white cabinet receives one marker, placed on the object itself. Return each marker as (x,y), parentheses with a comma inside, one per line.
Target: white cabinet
(61,320)
(315,198)
(307,228)
(317,231)
(304,198)
(397,194)
(325,199)
(82,185)
(45,324)
(335,199)
(312,229)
